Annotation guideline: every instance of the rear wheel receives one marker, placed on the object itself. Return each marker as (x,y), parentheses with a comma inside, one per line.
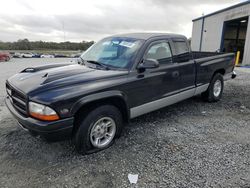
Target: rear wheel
(215,89)
(98,129)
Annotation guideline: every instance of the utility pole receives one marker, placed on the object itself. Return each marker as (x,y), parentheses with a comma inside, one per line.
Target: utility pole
(63,31)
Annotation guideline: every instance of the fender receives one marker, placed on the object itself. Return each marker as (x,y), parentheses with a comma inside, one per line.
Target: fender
(97,96)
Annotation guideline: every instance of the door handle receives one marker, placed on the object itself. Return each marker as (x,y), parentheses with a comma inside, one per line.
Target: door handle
(175,74)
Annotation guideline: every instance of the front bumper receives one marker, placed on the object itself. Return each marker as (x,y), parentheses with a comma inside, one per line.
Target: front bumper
(230,75)
(60,128)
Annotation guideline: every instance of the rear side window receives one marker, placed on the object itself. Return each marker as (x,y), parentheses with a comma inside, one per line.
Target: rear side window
(160,51)
(182,51)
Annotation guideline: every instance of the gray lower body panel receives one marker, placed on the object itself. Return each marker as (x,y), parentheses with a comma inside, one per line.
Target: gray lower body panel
(166,101)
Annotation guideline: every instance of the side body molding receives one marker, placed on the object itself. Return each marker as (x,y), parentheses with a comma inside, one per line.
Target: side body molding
(166,101)
(98,96)
(160,103)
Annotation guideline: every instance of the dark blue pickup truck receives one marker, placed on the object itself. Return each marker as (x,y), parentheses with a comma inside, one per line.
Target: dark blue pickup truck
(117,79)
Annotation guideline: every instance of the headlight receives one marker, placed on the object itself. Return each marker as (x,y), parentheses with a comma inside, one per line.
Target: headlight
(42,112)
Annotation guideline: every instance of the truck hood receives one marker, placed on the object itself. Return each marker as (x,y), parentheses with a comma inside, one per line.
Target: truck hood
(58,75)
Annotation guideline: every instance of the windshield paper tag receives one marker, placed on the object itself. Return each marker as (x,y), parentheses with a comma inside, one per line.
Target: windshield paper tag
(127,44)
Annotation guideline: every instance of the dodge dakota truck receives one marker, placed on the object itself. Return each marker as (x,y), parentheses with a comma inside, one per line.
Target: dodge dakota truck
(118,78)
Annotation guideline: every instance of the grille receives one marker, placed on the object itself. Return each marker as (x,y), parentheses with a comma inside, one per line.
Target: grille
(18,99)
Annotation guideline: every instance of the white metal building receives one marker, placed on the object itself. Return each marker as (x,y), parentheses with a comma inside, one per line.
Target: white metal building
(227,30)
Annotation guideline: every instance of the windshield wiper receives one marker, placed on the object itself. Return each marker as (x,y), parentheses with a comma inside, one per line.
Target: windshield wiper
(82,61)
(98,63)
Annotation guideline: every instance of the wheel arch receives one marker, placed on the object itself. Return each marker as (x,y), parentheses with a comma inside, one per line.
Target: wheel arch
(88,103)
(221,71)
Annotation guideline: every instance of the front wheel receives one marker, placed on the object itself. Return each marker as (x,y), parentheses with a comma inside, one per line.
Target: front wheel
(98,129)
(215,89)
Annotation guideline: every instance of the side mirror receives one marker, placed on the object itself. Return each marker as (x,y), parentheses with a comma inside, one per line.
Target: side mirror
(78,60)
(148,64)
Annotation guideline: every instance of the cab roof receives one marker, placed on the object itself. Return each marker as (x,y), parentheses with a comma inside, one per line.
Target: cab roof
(146,36)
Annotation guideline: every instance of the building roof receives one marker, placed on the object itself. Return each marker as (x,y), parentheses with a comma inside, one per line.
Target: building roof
(147,36)
(223,10)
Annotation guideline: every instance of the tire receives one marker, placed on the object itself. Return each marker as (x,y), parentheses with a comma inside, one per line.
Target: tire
(215,89)
(103,120)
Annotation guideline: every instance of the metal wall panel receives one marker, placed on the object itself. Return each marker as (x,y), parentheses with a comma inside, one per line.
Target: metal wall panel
(196,35)
(212,33)
(213,29)
(246,57)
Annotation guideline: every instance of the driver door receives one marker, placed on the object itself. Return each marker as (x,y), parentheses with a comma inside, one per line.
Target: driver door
(156,83)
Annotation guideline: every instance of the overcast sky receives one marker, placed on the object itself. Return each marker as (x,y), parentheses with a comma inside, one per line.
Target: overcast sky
(78,20)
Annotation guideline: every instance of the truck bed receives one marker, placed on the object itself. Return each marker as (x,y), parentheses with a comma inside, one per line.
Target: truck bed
(208,62)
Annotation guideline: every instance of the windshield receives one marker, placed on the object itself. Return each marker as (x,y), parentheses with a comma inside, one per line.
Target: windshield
(116,52)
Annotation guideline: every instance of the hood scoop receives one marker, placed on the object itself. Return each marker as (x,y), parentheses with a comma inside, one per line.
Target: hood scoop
(46,75)
(29,70)
(52,76)
(44,67)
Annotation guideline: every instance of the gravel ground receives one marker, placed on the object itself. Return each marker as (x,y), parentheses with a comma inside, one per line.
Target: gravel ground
(189,144)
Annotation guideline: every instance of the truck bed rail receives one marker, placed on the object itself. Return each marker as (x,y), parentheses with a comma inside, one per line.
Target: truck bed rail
(198,54)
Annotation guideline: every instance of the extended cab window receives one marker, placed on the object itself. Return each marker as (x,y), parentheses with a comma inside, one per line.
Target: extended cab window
(182,51)
(160,51)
